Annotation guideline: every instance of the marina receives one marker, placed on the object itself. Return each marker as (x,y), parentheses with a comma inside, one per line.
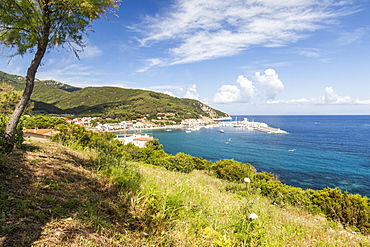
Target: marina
(263,127)
(194,126)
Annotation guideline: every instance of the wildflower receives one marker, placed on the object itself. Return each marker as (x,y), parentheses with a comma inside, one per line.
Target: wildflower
(253,216)
(247,180)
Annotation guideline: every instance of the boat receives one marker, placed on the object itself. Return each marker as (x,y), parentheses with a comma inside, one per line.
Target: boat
(222,131)
(188,131)
(168,129)
(248,127)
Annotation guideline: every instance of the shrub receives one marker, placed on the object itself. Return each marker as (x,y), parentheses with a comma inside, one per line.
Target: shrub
(18,137)
(43,122)
(232,170)
(348,209)
(180,162)
(201,164)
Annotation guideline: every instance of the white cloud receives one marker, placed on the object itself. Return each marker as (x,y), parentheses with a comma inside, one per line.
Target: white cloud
(310,52)
(206,29)
(192,92)
(151,63)
(90,51)
(272,81)
(169,93)
(329,98)
(227,94)
(231,93)
(347,38)
(72,74)
(248,90)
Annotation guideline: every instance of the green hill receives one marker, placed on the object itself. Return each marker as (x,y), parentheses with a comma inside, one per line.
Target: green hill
(52,97)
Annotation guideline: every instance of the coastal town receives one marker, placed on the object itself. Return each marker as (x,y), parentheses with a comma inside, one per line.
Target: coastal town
(188,125)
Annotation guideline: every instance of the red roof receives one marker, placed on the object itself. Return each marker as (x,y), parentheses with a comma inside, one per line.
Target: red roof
(38,131)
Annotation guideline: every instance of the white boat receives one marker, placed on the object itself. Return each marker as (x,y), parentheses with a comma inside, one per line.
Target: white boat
(222,131)
(188,131)
(249,127)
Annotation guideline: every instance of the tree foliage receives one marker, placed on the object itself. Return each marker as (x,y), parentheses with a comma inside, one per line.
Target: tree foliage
(25,23)
(43,122)
(8,99)
(36,26)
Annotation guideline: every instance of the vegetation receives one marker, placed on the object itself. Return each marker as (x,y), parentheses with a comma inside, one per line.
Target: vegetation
(8,101)
(42,122)
(350,210)
(93,194)
(51,97)
(18,135)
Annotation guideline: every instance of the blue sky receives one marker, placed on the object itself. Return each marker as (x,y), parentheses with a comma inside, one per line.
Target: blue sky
(240,56)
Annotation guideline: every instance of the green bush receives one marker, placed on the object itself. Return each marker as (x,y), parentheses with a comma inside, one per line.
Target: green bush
(232,170)
(201,164)
(43,122)
(18,137)
(180,162)
(348,209)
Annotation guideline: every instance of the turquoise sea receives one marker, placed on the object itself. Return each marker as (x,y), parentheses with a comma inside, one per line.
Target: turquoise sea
(319,152)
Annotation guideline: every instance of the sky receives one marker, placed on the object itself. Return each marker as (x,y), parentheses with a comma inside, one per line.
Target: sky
(243,57)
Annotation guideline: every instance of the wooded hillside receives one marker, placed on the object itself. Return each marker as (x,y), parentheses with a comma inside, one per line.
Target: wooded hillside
(52,97)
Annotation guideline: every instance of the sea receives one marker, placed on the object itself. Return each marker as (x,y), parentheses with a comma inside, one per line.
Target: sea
(319,151)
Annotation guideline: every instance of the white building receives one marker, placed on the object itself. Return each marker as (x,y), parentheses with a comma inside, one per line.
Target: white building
(137,139)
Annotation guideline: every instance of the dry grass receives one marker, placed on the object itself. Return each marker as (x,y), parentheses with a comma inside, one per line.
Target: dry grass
(50,196)
(220,211)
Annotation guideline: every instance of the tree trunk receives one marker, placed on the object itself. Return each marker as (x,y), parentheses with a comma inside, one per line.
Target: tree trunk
(14,118)
(30,79)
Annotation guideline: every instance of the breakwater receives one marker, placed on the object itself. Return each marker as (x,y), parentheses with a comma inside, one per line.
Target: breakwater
(263,127)
(270,130)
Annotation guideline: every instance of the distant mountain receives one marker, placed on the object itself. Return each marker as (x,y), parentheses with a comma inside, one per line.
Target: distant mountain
(52,97)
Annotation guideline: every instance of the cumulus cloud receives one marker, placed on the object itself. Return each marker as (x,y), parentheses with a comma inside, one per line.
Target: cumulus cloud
(248,90)
(231,93)
(169,93)
(227,94)
(198,30)
(272,81)
(191,93)
(329,98)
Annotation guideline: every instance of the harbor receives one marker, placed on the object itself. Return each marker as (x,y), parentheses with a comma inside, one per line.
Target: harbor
(190,126)
(259,126)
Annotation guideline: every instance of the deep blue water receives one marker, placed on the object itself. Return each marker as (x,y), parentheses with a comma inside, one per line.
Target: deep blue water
(329,151)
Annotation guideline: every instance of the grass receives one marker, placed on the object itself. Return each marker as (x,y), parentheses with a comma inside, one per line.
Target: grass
(53,196)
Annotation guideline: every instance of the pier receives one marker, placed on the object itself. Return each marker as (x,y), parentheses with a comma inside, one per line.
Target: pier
(263,127)
(270,130)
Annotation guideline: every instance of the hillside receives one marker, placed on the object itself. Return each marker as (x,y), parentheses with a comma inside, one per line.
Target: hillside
(51,97)
(54,196)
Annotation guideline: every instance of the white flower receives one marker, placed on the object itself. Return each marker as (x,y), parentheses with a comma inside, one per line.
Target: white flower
(247,180)
(253,216)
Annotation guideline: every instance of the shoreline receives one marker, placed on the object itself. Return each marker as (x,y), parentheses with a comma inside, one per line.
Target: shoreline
(259,126)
